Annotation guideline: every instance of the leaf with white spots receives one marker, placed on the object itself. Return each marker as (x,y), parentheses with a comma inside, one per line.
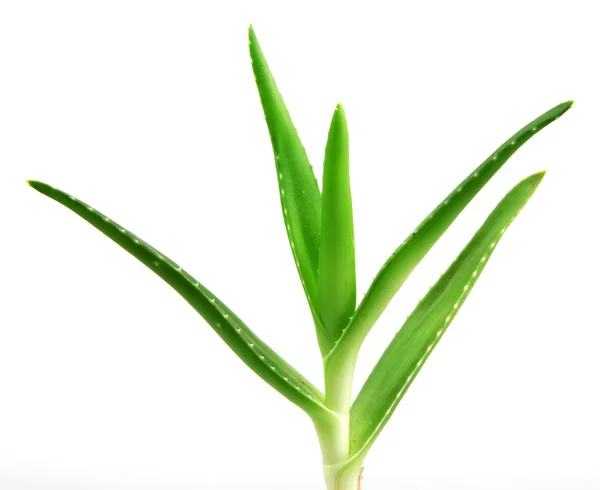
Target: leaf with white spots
(410,348)
(248,347)
(408,255)
(298,189)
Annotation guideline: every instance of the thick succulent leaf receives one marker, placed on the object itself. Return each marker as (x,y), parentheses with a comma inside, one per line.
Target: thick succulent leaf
(424,328)
(249,348)
(337,275)
(408,255)
(298,188)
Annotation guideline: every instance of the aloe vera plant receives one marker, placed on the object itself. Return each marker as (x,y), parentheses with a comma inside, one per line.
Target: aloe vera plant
(320,230)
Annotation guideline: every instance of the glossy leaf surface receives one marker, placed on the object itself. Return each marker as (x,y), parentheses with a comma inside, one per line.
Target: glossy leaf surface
(248,347)
(337,274)
(298,189)
(408,255)
(423,329)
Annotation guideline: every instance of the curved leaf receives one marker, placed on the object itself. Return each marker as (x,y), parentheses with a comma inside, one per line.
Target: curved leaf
(408,255)
(298,189)
(424,328)
(248,347)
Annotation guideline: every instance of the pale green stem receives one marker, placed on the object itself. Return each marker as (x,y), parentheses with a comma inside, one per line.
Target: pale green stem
(334,430)
(334,438)
(338,383)
(340,472)
(342,476)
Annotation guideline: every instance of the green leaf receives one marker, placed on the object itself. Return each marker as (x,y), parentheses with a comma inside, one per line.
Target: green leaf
(248,347)
(424,328)
(337,276)
(408,255)
(298,189)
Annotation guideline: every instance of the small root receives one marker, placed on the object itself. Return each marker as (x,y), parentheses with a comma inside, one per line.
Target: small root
(360,476)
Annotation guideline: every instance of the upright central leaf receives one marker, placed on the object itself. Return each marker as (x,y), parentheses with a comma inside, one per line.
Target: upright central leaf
(299,192)
(337,276)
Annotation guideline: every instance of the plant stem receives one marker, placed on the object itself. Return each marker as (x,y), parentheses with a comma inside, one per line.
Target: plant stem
(343,476)
(340,471)
(334,437)
(338,383)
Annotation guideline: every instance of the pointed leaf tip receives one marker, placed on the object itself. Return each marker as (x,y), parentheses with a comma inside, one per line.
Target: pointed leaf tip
(533,181)
(408,255)
(336,273)
(299,193)
(37,185)
(537,177)
(245,344)
(564,107)
(339,122)
(402,360)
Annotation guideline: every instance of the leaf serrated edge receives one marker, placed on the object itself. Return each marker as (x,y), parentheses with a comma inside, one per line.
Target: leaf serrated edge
(300,391)
(371,306)
(523,192)
(299,193)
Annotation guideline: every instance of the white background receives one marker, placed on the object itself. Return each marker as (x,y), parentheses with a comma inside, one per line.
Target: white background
(148,112)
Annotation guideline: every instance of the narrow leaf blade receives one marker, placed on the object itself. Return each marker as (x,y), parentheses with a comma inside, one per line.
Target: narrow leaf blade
(245,343)
(412,345)
(298,189)
(337,273)
(408,255)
